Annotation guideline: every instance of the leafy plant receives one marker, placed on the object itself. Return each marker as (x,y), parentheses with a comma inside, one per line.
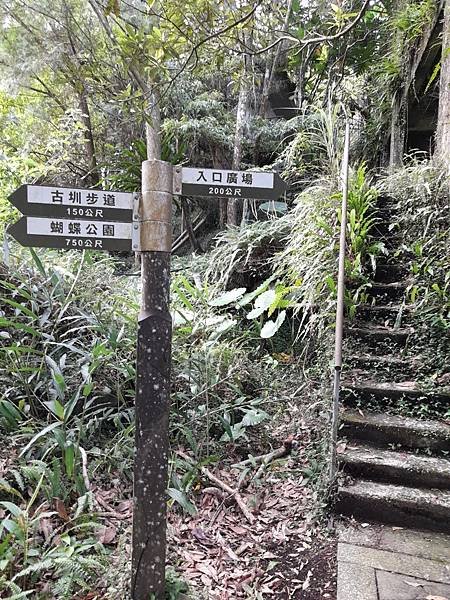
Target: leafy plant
(421,191)
(413,17)
(24,554)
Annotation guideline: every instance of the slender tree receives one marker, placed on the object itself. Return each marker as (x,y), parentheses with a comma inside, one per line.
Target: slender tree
(443,127)
(242,117)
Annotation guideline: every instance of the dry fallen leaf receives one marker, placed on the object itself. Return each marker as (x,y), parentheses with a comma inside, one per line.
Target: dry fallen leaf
(413,584)
(340,448)
(125,506)
(61,509)
(106,535)
(306,583)
(46,528)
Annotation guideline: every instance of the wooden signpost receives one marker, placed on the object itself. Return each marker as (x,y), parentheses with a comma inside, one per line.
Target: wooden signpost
(74,218)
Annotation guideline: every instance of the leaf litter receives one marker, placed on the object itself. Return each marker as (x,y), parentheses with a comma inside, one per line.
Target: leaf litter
(284,553)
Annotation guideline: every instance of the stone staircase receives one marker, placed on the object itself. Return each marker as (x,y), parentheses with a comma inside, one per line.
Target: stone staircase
(396,469)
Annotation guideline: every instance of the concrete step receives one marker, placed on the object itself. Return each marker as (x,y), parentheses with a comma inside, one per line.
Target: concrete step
(372,333)
(388,291)
(388,389)
(386,202)
(390,363)
(390,273)
(396,504)
(394,397)
(384,313)
(382,429)
(379,464)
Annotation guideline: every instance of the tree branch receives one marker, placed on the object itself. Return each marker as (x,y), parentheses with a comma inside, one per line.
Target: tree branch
(318,38)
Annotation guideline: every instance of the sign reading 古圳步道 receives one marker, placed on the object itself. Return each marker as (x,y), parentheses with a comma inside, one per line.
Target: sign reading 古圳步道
(66,203)
(223,183)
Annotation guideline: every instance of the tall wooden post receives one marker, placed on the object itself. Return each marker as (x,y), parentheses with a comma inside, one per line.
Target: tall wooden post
(152,384)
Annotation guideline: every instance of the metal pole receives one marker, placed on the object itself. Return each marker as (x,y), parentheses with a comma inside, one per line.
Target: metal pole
(340,305)
(152,384)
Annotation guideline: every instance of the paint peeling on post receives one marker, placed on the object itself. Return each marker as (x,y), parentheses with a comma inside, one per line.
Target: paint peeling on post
(152,384)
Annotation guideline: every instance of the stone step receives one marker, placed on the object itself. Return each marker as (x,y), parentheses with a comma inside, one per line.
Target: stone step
(396,504)
(395,390)
(379,464)
(370,334)
(384,312)
(390,273)
(389,291)
(391,367)
(382,429)
(385,361)
(384,202)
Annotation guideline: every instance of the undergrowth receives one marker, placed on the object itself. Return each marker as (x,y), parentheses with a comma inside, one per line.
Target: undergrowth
(423,200)
(247,317)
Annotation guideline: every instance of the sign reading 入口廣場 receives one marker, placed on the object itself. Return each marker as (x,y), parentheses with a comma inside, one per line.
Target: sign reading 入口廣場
(231,184)
(63,202)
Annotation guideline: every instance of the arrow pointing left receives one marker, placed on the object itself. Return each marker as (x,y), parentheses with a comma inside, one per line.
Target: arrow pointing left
(72,234)
(61,202)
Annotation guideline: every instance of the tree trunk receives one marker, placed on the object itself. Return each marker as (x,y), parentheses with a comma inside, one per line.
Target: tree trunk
(272,64)
(153,126)
(442,152)
(398,125)
(80,90)
(235,204)
(195,244)
(89,144)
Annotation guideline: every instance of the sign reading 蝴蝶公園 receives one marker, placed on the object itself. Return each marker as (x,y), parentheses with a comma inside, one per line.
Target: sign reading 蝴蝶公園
(45,232)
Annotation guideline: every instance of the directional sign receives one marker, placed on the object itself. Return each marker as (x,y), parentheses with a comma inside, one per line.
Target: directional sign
(65,203)
(74,234)
(220,183)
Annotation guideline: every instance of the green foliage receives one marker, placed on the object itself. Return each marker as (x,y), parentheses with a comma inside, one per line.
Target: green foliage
(59,359)
(212,366)
(422,192)
(413,18)
(362,251)
(25,554)
(175,586)
(315,152)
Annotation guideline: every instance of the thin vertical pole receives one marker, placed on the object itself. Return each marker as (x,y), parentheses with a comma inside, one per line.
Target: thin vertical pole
(339,331)
(152,385)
